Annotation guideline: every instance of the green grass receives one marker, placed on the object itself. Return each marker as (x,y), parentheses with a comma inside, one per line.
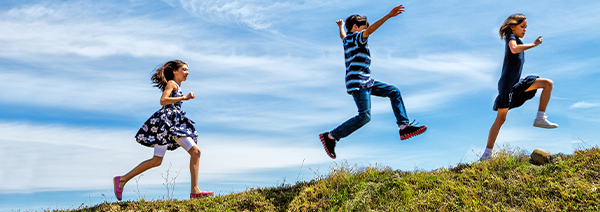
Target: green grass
(508,182)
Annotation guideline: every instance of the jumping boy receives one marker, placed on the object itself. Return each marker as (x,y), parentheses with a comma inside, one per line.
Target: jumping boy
(361,86)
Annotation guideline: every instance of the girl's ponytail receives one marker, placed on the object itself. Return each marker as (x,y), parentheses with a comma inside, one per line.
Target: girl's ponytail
(163,74)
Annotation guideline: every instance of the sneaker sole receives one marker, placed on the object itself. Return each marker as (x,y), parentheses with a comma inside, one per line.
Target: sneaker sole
(545,126)
(413,134)
(201,194)
(325,146)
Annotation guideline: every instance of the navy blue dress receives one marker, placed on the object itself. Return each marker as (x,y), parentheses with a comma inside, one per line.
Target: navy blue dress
(512,90)
(166,125)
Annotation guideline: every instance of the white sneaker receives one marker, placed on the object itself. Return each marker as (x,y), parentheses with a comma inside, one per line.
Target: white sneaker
(485,157)
(544,123)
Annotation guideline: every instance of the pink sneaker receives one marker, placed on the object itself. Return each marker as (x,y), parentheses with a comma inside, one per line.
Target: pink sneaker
(201,194)
(118,191)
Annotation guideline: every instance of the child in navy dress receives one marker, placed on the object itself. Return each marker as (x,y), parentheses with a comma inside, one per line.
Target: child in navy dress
(512,91)
(168,128)
(361,86)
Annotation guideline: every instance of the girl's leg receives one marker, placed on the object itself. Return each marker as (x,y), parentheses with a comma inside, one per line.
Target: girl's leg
(546,85)
(495,129)
(194,167)
(156,160)
(188,144)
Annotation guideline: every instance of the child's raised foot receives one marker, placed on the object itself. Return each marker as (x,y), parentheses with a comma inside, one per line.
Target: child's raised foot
(328,144)
(544,123)
(409,131)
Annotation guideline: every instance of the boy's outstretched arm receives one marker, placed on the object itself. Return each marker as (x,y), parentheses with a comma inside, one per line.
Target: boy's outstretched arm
(397,10)
(341,25)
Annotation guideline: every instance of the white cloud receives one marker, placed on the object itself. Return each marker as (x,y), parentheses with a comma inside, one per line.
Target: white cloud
(584,104)
(445,68)
(29,13)
(258,15)
(87,90)
(91,40)
(78,29)
(252,14)
(564,26)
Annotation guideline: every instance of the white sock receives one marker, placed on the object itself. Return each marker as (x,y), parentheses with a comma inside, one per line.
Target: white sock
(402,126)
(540,114)
(331,137)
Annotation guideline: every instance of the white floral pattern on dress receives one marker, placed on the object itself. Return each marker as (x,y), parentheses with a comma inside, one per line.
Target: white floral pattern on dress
(166,125)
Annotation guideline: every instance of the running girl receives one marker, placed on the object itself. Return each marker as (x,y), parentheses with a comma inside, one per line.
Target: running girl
(168,128)
(512,91)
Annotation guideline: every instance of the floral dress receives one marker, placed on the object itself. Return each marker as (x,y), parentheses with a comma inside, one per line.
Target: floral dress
(166,125)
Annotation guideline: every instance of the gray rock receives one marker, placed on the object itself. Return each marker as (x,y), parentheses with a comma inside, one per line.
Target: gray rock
(541,157)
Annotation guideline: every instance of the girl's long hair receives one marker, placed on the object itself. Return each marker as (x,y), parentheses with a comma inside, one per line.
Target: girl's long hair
(512,20)
(163,74)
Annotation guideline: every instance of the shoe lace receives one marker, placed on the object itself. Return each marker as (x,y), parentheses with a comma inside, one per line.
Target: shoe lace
(412,123)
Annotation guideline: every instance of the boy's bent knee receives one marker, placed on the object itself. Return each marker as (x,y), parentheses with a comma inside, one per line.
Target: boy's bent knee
(364,117)
(394,92)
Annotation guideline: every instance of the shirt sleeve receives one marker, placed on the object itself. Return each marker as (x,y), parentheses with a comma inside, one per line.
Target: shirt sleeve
(360,39)
(511,37)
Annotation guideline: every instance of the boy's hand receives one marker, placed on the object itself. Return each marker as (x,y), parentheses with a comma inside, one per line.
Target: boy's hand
(538,41)
(340,24)
(396,11)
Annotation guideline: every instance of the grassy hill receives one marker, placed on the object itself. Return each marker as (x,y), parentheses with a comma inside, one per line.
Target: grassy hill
(508,182)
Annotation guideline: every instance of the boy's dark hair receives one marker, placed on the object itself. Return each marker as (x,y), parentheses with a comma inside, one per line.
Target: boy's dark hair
(355,19)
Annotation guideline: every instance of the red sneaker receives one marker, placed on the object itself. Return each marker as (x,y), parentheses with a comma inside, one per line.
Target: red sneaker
(411,131)
(328,144)
(201,194)
(118,191)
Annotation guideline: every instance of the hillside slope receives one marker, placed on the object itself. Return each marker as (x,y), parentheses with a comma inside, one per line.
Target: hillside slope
(508,182)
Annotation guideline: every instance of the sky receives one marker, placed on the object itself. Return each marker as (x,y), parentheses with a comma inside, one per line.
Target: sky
(269,78)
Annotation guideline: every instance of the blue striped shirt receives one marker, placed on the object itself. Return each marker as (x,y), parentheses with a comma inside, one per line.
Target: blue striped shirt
(358,60)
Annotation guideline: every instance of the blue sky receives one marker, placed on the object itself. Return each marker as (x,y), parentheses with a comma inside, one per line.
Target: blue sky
(268,78)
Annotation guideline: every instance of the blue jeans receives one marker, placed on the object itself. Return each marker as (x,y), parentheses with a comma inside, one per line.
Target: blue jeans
(362,98)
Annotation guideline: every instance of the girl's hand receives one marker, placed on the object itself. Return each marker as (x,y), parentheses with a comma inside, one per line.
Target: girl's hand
(538,41)
(189,96)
